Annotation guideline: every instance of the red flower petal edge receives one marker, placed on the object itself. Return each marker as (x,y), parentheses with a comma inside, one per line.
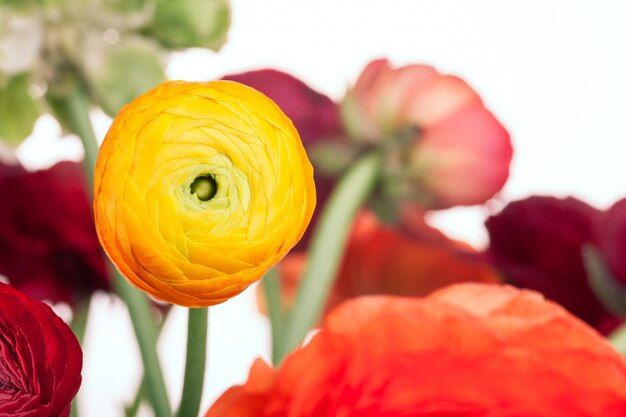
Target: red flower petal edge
(469,350)
(40,358)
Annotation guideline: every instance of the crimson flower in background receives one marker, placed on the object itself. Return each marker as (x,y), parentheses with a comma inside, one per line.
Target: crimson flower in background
(610,238)
(315,116)
(383,260)
(466,351)
(537,243)
(459,152)
(48,243)
(40,358)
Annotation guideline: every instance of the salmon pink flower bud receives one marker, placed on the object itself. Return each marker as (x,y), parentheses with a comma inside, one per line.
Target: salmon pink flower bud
(450,149)
(200,188)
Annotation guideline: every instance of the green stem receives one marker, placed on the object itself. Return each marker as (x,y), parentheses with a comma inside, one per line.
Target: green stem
(271,286)
(146,332)
(73,107)
(133,408)
(618,339)
(197,329)
(79,321)
(327,248)
(79,326)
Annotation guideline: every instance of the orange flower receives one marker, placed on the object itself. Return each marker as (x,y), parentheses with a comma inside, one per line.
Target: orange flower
(200,188)
(465,351)
(383,260)
(460,152)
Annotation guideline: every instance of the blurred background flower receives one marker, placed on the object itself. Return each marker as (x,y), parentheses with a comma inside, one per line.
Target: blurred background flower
(449,149)
(609,235)
(382,260)
(112,50)
(538,242)
(466,350)
(48,243)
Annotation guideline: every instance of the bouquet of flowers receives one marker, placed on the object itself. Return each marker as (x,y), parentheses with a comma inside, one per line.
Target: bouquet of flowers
(202,190)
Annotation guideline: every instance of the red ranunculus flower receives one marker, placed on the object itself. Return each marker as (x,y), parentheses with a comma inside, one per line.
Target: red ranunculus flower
(537,244)
(382,260)
(460,153)
(610,238)
(40,358)
(48,243)
(465,351)
(315,116)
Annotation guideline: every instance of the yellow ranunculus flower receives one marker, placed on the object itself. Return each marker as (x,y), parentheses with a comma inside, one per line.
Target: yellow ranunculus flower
(199,189)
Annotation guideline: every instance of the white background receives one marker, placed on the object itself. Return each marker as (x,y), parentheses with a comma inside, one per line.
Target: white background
(554,72)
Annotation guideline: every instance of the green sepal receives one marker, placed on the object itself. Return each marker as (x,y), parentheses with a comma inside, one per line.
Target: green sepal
(610,292)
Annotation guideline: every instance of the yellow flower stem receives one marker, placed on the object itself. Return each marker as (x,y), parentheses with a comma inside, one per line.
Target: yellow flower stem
(197,329)
(271,286)
(74,106)
(327,247)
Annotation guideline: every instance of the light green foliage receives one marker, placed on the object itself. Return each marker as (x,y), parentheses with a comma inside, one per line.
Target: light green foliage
(127,6)
(18,110)
(123,71)
(111,50)
(190,23)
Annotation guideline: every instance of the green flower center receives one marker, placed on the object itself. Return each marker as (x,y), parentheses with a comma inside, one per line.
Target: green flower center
(204,187)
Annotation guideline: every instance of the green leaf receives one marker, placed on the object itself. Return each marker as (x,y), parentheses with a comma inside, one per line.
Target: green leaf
(610,292)
(18,110)
(116,74)
(18,4)
(126,6)
(190,23)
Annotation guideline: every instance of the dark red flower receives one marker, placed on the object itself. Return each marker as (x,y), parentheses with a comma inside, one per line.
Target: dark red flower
(537,244)
(40,358)
(469,350)
(48,243)
(314,115)
(610,238)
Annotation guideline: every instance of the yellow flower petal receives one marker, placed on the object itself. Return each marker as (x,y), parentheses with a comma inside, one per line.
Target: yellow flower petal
(162,236)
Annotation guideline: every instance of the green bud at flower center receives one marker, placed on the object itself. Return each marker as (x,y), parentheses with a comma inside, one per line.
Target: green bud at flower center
(204,187)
